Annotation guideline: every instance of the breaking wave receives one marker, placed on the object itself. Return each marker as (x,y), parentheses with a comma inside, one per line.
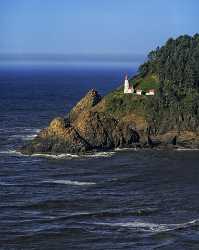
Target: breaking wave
(151,227)
(23,137)
(12,152)
(59,156)
(99,154)
(24,134)
(126,149)
(69,182)
(187,149)
(69,156)
(55,156)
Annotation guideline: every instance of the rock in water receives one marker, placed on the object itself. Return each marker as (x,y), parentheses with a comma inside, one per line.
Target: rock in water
(85,128)
(62,136)
(57,138)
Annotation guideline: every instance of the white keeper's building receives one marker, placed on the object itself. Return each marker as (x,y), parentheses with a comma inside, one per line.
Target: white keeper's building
(130,89)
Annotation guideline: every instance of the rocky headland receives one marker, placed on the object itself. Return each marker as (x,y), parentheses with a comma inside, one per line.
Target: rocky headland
(169,119)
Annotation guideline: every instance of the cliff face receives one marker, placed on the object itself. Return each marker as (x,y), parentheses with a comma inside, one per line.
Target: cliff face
(86,103)
(88,126)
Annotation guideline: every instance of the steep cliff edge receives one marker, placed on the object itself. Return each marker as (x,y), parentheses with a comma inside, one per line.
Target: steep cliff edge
(168,119)
(88,126)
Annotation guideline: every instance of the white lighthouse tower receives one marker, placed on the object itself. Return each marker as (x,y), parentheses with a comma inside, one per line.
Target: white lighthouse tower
(127,88)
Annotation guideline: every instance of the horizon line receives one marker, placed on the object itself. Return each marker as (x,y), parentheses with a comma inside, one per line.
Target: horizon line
(108,57)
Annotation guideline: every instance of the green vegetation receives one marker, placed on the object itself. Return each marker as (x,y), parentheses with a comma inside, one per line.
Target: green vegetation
(176,65)
(177,62)
(173,70)
(149,81)
(119,104)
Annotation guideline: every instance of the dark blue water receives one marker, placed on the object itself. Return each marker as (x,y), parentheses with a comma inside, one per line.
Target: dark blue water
(115,200)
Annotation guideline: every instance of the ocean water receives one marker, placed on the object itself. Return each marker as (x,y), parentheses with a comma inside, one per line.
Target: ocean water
(109,200)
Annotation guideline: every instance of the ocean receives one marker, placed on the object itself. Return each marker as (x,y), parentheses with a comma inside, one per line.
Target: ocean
(121,199)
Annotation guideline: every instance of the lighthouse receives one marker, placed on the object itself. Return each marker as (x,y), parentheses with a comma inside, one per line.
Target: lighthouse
(127,88)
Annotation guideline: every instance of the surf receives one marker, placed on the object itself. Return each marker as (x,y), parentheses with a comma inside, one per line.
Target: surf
(69,182)
(151,227)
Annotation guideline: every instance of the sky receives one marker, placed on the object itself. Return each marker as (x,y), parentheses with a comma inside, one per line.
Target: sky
(92,27)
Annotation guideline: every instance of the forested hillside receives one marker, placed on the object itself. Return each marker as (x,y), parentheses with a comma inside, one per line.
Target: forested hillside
(176,65)
(177,61)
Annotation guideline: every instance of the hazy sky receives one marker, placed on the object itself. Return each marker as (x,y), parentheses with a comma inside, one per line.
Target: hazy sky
(93,26)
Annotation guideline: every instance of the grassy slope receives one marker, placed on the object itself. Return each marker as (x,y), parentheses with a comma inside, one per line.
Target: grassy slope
(129,108)
(119,104)
(150,81)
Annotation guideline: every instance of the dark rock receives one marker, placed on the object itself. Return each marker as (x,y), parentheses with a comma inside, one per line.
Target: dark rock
(174,141)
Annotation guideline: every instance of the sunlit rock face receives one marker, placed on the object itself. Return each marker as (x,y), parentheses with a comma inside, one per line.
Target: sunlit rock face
(84,129)
(87,102)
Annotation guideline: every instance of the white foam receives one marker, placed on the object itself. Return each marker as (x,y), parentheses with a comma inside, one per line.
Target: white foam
(12,152)
(59,156)
(14,129)
(187,149)
(68,156)
(151,227)
(29,137)
(99,154)
(33,132)
(54,156)
(69,182)
(126,149)
(23,137)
